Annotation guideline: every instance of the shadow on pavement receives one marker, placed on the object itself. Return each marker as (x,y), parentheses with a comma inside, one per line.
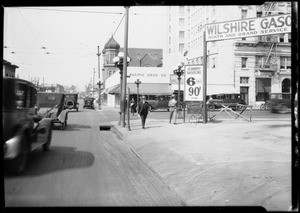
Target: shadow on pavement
(58,158)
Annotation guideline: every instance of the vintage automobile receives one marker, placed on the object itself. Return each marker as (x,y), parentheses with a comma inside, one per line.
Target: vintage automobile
(158,102)
(23,130)
(51,105)
(88,102)
(228,100)
(280,102)
(70,101)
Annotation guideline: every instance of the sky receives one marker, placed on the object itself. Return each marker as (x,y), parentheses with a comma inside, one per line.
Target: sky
(59,44)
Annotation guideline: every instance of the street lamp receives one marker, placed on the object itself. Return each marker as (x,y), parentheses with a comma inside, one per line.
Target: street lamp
(100,83)
(99,76)
(179,72)
(118,61)
(137,82)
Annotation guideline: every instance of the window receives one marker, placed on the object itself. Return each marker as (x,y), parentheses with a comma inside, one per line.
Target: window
(244,80)
(20,96)
(181,47)
(258,61)
(285,62)
(263,88)
(244,14)
(244,62)
(181,22)
(181,34)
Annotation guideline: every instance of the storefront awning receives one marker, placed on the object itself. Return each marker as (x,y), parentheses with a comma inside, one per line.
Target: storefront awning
(220,89)
(146,89)
(109,90)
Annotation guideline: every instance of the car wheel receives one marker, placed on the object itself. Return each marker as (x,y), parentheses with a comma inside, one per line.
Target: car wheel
(283,108)
(46,146)
(212,107)
(18,164)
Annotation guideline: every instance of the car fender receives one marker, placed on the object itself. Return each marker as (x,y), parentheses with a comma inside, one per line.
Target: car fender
(12,147)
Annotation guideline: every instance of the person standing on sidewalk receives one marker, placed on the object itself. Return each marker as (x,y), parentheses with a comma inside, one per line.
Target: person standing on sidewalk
(133,106)
(143,109)
(173,109)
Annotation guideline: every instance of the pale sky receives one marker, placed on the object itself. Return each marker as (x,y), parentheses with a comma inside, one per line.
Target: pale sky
(60,46)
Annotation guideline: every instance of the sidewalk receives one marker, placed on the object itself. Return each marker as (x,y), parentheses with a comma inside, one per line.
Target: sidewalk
(220,163)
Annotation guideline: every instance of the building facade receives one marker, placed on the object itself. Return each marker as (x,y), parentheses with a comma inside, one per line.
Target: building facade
(145,65)
(9,70)
(252,66)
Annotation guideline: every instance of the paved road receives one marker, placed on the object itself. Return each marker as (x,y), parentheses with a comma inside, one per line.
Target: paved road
(87,167)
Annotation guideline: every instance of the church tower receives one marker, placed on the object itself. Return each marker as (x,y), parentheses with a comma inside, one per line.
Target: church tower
(111,50)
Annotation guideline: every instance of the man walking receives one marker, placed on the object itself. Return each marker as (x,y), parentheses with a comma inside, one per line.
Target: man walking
(143,109)
(173,108)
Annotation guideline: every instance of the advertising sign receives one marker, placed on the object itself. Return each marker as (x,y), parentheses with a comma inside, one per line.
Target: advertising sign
(261,26)
(193,82)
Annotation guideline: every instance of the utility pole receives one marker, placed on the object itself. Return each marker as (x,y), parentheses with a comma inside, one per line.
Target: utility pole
(99,80)
(124,84)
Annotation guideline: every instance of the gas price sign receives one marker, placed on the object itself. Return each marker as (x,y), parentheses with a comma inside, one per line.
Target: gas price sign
(193,82)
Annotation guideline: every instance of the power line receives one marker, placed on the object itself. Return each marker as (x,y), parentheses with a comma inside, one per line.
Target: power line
(119,25)
(31,29)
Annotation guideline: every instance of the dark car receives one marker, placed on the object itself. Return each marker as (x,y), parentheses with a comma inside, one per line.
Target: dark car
(159,102)
(88,102)
(280,102)
(23,130)
(70,101)
(51,105)
(229,100)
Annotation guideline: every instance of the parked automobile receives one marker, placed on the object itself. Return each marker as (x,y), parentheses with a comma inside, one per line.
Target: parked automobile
(89,102)
(230,100)
(280,102)
(71,101)
(23,130)
(158,102)
(51,105)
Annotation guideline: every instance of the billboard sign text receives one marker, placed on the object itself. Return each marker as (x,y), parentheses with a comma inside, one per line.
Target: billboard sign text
(261,26)
(193,83)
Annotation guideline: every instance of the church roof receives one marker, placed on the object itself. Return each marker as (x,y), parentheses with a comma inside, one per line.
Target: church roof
(112,44)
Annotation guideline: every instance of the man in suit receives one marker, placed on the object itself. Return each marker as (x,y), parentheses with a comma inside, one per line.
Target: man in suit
(143,109)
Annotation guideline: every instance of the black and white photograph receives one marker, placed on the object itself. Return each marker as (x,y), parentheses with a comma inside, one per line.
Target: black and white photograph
(151,105)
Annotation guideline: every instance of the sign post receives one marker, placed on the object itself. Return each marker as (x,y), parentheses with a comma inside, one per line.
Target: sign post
(204,78)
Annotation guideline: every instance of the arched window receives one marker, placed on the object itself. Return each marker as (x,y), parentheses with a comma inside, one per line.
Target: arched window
(286,85)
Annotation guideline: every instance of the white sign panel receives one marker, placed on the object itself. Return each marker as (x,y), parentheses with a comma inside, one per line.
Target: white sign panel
(249,27)
(193,82)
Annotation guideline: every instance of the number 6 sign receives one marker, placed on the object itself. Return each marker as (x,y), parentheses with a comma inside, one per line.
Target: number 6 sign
(193,84)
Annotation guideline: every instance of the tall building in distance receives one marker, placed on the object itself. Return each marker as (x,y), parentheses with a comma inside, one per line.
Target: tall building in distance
(252,66)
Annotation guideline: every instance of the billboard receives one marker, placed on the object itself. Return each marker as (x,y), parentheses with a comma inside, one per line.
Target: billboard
(261,26)
(193,83)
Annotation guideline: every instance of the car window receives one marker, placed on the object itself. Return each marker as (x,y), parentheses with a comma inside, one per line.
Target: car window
(20,101)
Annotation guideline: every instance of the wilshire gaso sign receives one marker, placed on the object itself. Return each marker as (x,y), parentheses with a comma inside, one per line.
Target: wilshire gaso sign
(249,27)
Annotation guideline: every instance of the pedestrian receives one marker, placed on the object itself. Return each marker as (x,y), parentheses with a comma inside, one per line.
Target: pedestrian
(173,109)
(143,109)
(133,106)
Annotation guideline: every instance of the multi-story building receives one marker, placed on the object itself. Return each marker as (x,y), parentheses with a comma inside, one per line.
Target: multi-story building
(252,66)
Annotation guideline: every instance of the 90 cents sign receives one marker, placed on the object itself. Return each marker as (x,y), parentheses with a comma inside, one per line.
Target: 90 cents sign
(193,84)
